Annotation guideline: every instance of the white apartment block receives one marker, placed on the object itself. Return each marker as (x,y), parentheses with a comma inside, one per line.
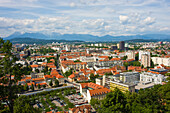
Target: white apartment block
(160,60)
(145,60)
(130,55)
(143,52)
(150,77)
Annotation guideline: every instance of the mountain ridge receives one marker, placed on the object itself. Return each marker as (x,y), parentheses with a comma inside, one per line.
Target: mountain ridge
(87,37)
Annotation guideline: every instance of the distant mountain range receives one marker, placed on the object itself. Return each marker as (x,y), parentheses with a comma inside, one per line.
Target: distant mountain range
(87,37)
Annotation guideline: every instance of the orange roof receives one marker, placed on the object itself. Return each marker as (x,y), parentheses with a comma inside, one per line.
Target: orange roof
(44,63)
(41,84)
(103,56)
(54,72)
(52,66)
(34,66)
(99,91)
(59,76)
(71,76)
(22,55)
(154,72)
(80,109)
(52,60)
(38,79)
(28,78)
(92,85)
(115,59)
(48,76)
(29,84)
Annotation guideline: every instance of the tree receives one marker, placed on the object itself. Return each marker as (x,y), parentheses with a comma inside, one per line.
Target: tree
(114,101)
(51,83)
(56,83)
(152,64)
(92,77)
(126,64)
(36,70)
(124,58)
(39,86)
(26,88)
(68,73)
(21,105)
(8,87)
(32,87)
(137,57)
(44,86)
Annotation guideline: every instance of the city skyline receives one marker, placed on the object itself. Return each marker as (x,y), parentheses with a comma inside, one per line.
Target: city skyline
(95,17)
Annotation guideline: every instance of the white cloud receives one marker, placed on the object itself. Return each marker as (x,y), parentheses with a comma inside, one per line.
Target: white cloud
(149,20)
(72,4)
(123,19)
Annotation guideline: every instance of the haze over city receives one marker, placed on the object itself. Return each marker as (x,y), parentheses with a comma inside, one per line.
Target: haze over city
(95,17)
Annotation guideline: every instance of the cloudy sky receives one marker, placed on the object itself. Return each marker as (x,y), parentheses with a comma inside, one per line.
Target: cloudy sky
(96,17)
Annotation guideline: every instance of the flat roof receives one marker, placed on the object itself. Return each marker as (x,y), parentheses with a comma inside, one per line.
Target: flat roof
(142,86)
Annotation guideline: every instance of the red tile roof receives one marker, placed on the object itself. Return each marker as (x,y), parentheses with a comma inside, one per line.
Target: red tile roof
(99,91)
(91,85)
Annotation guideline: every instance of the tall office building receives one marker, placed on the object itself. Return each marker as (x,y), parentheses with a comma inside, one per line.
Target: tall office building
(121,45)
(145,60)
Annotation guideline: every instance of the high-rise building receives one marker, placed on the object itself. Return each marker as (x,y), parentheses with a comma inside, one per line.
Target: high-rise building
(113,48)
(143,52)
(145,60)
(121,45)
(130,55)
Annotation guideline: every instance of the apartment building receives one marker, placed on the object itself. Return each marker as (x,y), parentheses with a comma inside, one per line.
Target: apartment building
(129,77)
(161,60)
(122,86)
(151,77)
(92,90)
(145,60)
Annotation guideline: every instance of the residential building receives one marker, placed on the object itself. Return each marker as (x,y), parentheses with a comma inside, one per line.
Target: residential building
(81,109)
(129,77)
(130,55)
(92,90)
(151,77)
(122,86)
(143,52)
(161,60)
(145,60)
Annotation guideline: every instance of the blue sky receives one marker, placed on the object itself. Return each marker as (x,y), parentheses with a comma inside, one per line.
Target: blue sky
(96,17)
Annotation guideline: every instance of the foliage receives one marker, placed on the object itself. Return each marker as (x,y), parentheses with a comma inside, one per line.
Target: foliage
(56,83)
(21,105)
(51,83)
(68,73)
(124,58)
(46,50)
(27,70)
(110,57)
(93,77)
(137,56)
(39,86)
(8,68)
(77,61)
(26,88)
(152,64)
(32,87)
(153,100)
(167,74)
(44,86)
